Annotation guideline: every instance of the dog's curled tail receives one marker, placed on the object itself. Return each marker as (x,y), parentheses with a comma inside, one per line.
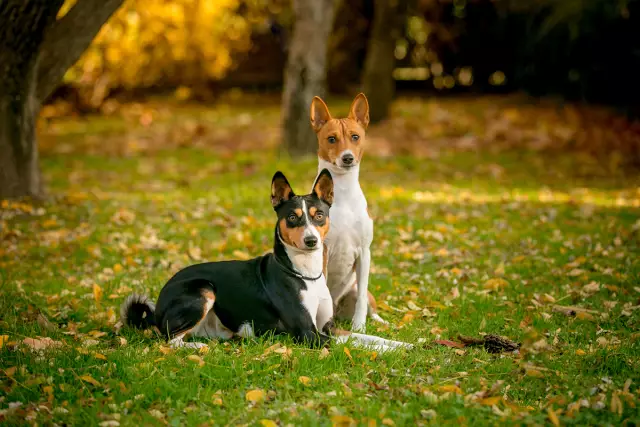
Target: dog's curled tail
(138,311)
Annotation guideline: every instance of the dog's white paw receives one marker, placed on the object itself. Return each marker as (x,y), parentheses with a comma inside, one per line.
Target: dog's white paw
(376,318)
(358,325)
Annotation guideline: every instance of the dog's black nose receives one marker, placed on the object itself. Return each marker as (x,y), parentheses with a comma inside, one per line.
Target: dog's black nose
(311,241)
(347,159)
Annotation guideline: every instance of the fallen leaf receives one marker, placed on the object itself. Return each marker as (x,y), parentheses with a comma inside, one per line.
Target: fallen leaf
(388,422)
(41,344)
(323,353)
(90,380)
(97,293)
(304,380)
(348,353)
(490,401)
(10,372)
(241,255)
(530,372)
(99,356)
(448,343)
(342,421)
(156,414)
(196,359)
(495,284)
(450,388)
(3,339)
(580,352)
(268,423)
(255,396)
(553,417)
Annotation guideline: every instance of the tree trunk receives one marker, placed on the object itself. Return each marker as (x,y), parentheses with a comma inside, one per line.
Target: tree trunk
(305,74)
(35,52)
(22,27)
(378,84)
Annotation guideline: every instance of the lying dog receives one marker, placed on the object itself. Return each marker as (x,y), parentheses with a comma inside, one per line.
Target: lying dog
(340,148)
(283,292)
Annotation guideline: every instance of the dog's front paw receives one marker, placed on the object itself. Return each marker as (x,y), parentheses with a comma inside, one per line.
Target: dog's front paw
(358,325)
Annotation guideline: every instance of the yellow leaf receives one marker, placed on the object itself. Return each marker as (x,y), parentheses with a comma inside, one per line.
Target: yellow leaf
(164,350)
(3,339)
(217,401)
(583,315)
(580,352)
(195,359)
(534,373)
(374,355)
(97,293)
(342,421)
(496,284)
(348,353)
(268,423)
(323,353)
(90,380)
(553,417)
(304,380)
(10,372)
(48,389)
(117,268)
(99,356)
(490,401)
(388,422)
(256,395)
(450,388)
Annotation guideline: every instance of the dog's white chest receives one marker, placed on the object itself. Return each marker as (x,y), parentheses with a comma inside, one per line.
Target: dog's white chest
(317,300)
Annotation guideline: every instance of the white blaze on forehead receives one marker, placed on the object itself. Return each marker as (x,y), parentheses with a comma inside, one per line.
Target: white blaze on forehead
(309,229)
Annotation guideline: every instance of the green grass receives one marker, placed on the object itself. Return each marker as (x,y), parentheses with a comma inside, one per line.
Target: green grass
(123,221)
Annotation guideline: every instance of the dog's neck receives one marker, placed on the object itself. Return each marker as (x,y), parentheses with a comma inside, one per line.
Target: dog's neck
(307,263)
(346,183)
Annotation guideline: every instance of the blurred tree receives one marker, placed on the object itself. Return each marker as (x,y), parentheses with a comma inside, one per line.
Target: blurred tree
(305,73)
(389,19)
(36,49)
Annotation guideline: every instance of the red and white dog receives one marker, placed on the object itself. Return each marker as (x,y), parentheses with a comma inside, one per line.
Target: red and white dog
(348,257)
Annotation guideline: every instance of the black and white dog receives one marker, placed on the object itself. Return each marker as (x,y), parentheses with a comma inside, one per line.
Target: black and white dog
(282,292)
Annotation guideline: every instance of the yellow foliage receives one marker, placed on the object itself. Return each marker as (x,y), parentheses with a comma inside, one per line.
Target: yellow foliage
(152,42)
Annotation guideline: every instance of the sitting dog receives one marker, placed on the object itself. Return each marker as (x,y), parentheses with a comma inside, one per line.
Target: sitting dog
(282,292)
(340,148)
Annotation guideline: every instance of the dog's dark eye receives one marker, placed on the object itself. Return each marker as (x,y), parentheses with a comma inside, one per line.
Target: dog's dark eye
(319,216)
(293,218)
(332,140)
(355,137)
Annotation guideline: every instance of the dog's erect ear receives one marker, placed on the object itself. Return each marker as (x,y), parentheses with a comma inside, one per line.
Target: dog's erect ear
(280,190)
(319,114)
(359,110)
(323,187)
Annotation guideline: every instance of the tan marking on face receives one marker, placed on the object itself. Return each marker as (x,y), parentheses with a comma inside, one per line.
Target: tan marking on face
(298,212)
(342,130)
(291,236)
(323,229)
(312,211)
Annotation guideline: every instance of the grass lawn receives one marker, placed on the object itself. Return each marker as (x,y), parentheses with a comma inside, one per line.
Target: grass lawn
(471,238)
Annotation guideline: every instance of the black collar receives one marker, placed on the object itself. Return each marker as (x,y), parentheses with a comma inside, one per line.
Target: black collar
(289,270)
(292,272)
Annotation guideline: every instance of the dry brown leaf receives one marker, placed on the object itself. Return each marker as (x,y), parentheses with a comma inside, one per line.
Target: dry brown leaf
(37,344)
(450,388)
(97,293)
(490,401)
